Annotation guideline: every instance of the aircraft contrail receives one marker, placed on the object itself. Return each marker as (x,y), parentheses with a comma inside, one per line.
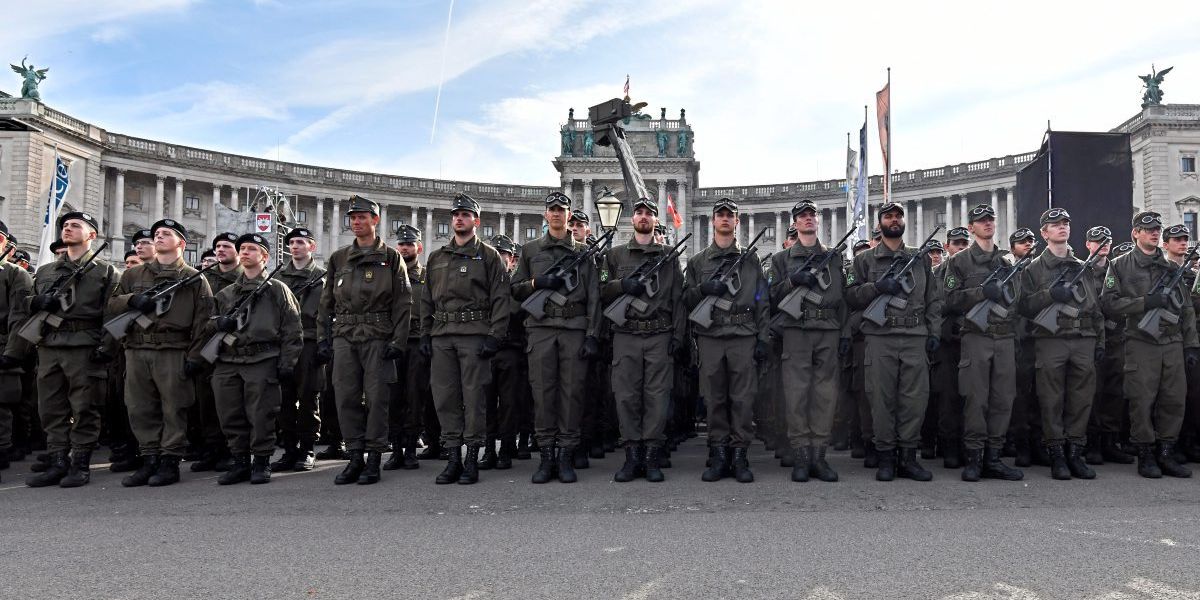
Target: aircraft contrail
(437,102)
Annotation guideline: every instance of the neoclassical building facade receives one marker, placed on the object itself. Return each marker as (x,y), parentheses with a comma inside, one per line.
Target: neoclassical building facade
(128,182)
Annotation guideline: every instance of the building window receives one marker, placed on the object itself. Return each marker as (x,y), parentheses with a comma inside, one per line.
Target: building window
(1189,219)
(443,229)
(189,254)
(396,223)
(941,219)
(191,203)
(301,216)
(489,231)
(346,222)
(770,233)
(531,233)
(1187,164)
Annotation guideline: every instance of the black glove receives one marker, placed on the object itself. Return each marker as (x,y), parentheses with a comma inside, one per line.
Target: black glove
(712,287)
(1061,293)
(393,352)
(993,291)
(844,347)
(1153,301)
(932,344)
(548,282)
(226,324)
(191,368)
(142,302)
(46,302)
(590,348)
(633,287)
(425,346)
(286,376)
(804,278)
(489,347)
(760,352)
(677,350)
(889,286)
(100,355)
(1191,357)
(1099,354)
(324,352)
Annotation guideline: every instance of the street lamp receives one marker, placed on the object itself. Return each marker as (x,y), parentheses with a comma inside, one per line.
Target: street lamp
(608,209)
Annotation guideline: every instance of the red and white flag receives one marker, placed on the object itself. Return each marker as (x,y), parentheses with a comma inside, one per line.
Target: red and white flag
(626,87)
(674,214)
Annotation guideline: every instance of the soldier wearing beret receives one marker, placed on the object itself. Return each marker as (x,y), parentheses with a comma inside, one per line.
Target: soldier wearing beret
(410,395)
(15,287)
(142,243)
(363,327)
(206,423)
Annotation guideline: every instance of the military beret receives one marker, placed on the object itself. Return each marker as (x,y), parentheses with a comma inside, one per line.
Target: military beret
(649,204)
(3,229)
(558,199)
(1023,234)
(407,234)
(175,226)
(225,237)
(1099,234)
(207,254)
(802,206)
(464,202)
(80,216)
(254,238)
(57,245)
(1054,215)
(861,245)
(299,232)
(579,215)
(503,243)
(1177,232)
(142,234)
(360,204)
(1147,219)
(981,211)
(725,204)
(129,253)
(887,208)
(958,233)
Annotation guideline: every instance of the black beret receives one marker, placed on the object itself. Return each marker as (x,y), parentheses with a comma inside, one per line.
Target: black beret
(81,216)
(226,236)
(254,238)
(207,253)
(299,232)
(129,253)
(57,245)
(142,234)
(173,225)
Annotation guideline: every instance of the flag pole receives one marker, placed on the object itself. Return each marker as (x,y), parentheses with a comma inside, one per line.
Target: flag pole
(888,167)
(867,195)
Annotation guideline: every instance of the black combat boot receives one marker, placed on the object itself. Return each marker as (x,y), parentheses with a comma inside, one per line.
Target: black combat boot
(453,467)
(870,455)
(238,472)
(951,453)
(470,471)
(545,470)
(409,459)
(168,471)
(79,472)
(336,451)
(974,467)
(817,466)
(1111,452)
(654,472)
(633,459)
(306,459)
(887,465)
(143,473)
(291,454)
(566,465)
(595,450)
(1040,453)
(910,468)
(370,473)
(1092,453)
(929,449)
(1058,462)
(508,449)
(664,456)
(1075,463)
(1024,456)
(858,450)
(741,466)
(488,462)
(431,451)
(55,471)
(224,460)
(1147,464)
(260,470)
(718,458)
(580,461)
(208,461)
(396,459)
(1167,462)
(523,447)
(787,457)
(994,467)
(801,462)
(353,469)
(130,459)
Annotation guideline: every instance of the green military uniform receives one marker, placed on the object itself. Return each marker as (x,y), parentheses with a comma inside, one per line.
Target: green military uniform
(465,310)
(1108,405)
(252,363)
(15,287)
(72,370)
(205,420)
(300,411)
(896,362)
(410,395)
(987,365)
(367,303)
(1155,376)
(556,344)
(810,359)
(727,348)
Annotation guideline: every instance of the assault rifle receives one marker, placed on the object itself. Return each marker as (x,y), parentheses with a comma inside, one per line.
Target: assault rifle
(1048,318)
(647,275)
(729,274)
(35,327)
(567,268)
(978,315)
(1168,285)
(793,302)
(876,311)
(241,312)
(160,294)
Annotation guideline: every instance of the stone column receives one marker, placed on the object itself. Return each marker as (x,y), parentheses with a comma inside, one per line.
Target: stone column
(177,204)
(1012,210)
(233,197)
(156,203)
(696,226)
(751,231)
(117,220)
(780,232)
(588,208)
(322,239)
(212,212)
(949,212)
(663,215)
(413,220)
(568,186)
(681,206)
(503,223)
(996,209)
(385,226)
(516,236)
(428,231)
(920,220)
(963,205)
(835,232)
(335,223)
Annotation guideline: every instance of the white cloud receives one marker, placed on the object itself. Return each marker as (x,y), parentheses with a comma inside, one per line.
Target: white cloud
(36,22)
(108,34)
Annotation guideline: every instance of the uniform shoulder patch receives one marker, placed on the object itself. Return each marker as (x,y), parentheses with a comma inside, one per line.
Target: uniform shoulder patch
(603,275)
(850,278)
(951,282)
(1110,281)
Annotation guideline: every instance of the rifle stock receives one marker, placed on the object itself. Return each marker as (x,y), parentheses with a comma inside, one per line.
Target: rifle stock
(617,310)
(565,267)
(34,328)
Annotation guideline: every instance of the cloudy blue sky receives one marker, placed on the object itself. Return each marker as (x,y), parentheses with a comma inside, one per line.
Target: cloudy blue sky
(771,87)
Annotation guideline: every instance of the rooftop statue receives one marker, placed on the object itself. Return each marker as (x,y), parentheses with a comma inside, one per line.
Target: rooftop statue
(32,76)
(1154,94)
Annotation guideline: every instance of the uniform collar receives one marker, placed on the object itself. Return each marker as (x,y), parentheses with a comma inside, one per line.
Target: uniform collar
(882,251)
(471,248)
(716,251)
(156,267)
(1158,258)
(566,242)
(647,248)
(375,248)
(799,249)
(980,257)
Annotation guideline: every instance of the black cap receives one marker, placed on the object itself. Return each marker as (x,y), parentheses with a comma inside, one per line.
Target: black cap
(936,245)
(1147,219)
(661,229)
(1177,232)
(1099,234)
(579,215)
(57,245)
(887,208)
(503,243)
(1055,215)
(1121,249)
(792,233)
(129,253)
(20,255)
(256,239)
(142,234)
(3,229)
(225,237)
(802,206)
(861,245)
(299,232)
(464,202)
(556,199)
(590,239)
(876,234)
(360,204)
(407,234)
(648,203)
(207,253)
(173,225)
(1022,235)
(982,211)
(725,204)
(958,233)
(79,215)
